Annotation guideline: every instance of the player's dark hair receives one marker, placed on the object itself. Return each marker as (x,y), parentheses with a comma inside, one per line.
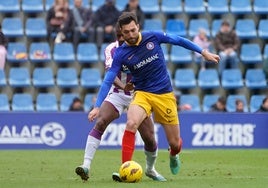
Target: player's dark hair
(126,18)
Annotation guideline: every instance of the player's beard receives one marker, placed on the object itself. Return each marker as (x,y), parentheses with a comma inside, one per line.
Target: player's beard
(132,41)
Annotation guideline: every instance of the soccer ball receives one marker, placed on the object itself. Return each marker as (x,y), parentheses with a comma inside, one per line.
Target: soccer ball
(130,172)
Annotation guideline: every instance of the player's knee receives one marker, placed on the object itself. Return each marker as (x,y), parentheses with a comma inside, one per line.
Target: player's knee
(131,126)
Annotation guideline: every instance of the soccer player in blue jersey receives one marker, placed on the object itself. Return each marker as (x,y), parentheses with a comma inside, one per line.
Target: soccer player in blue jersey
(114,105)
(143,56)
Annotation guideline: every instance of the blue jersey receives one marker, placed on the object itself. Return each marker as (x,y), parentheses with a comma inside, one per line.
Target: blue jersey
(146,63)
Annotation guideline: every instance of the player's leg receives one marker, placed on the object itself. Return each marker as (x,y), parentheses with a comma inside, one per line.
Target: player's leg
(165,113)
(146,130)
(175,145)
(106,115)
(135,116)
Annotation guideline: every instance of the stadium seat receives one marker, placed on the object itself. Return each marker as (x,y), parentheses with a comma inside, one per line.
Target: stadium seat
(230,102)
(176,26)
(153,25)
(255,102)
(46,102)
(88,101)
(120,4)
(66,100)
(22,102)
(17,52)
(150,7)
(36,28)
(48,4)
(67,77)
(19,77)
(232,79)
(215,27)
(260,7)
(171,7)
(184,78)
(255,79)
(43,77)
(208,101)
(240,7)
(4,103)
(218,7)
(87,53)
(90,78)
(191,99)
(263,29)
(250,53)
(196,24)
(63,52)
(39,52)
(194,7)
(95,4)
(102,50)
(245,28)
(208,79)
(12,27)
(3,80)
(9,6)
(265,51)
(180,55)
(32,6)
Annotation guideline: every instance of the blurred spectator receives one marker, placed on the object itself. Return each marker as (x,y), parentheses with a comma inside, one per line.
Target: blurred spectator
(264,105)
(60,20)
(3,49)
(219,106)
(105,19)
(133,6)
(201,40)
(182,107)
(76,105)
(227,44)
(83,19)
(239,105)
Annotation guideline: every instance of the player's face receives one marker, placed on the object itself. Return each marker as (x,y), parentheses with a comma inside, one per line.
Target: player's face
(130,32)
(120,38)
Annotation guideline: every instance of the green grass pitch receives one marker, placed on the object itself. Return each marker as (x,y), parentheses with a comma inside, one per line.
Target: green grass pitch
(200,169)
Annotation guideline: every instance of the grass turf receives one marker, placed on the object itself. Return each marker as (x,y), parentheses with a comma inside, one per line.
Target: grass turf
(200,168)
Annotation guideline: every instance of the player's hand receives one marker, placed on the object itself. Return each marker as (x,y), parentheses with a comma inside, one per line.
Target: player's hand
(129,86)
(93,114)
(210,56)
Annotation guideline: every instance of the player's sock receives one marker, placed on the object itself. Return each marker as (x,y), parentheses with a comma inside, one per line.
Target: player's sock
(150,159)
(175,163)
(128,145)
(93,142)
(175,152)
(150,162)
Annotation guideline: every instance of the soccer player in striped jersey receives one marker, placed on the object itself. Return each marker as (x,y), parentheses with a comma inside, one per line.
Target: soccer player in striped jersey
(143,56)
(115,103)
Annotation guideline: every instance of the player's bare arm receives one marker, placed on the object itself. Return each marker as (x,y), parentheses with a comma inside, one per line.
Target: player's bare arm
(118,83)
(210,56)
(93,114)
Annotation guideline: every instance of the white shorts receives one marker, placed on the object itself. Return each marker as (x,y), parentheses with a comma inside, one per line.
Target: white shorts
(119,100)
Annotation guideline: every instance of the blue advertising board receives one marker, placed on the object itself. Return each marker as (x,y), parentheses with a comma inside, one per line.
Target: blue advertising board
(69,130)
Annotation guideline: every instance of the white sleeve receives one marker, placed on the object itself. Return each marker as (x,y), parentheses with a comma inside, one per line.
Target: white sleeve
(108,55)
